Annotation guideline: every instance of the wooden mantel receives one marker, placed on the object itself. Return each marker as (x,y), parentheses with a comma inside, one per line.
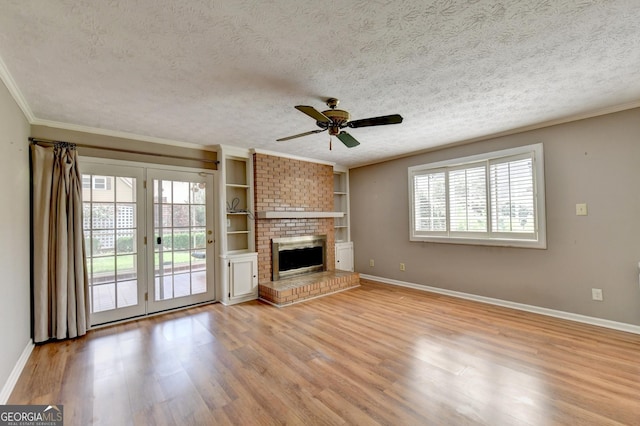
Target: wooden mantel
(297,215)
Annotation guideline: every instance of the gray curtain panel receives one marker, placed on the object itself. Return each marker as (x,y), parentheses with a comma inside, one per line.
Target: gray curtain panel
(61,299)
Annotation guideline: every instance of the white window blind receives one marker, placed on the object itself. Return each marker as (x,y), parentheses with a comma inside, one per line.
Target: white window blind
(512,196)
(495,199)
(430,206)
(468,199)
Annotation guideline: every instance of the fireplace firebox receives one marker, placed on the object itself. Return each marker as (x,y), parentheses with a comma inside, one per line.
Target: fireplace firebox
(298,255)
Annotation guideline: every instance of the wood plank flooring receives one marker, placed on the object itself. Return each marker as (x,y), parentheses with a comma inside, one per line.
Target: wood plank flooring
(377,354)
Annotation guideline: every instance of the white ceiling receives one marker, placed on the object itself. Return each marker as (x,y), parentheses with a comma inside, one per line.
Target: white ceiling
(230,72)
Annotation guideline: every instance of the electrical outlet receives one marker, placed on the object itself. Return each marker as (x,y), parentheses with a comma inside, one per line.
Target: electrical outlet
(581,209)
(402,267)
(372,263)
(596,294)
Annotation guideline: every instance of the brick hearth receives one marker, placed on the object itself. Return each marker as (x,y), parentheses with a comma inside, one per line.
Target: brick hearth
(296,289)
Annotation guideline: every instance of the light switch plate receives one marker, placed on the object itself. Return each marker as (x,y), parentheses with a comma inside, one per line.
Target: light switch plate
(581,209)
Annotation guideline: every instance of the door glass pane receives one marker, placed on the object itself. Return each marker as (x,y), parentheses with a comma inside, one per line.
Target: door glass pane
(126,242)
(127,293)
(198,193)
(198,282)
(164,287)
(104,297)
(103,268)
(180,215)
(126,216)
(126,267)
(198,217)
(181,192)
(102,216)
(198,260)
(125,190)
(182,285)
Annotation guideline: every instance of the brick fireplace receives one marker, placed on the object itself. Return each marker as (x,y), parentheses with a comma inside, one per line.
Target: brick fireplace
(289,185)
(285,185)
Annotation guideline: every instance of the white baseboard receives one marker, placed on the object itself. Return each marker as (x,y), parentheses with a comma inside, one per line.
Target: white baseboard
(621,326)
(15,373)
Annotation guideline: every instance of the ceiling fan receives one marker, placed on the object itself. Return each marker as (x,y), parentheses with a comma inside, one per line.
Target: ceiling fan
(334,120)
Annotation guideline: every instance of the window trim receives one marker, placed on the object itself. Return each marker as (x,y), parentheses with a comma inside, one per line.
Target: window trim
(498,239)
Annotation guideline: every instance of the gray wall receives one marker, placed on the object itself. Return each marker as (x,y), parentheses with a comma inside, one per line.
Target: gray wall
(594,161)
(15,322)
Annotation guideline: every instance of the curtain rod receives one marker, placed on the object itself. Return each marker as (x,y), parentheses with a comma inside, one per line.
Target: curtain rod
(127,151)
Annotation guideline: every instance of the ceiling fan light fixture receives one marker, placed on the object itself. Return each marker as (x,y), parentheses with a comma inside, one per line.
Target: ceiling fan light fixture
(334,120)
(337,116)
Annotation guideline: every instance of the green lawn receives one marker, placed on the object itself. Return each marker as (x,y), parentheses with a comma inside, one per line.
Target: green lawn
(125,263)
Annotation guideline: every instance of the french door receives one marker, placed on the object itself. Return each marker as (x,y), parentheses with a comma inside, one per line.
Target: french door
(148,238)
(182,260)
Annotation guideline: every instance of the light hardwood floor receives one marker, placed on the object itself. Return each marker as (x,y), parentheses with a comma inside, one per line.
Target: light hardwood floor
(377,354)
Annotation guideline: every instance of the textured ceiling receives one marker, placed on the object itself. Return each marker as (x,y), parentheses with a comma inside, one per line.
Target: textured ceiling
(230,72)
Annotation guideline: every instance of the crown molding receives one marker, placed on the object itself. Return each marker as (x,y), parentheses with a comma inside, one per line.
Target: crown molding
(118,134)
(15,92)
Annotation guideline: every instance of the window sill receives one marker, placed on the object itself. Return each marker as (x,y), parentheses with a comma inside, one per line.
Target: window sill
(493,242)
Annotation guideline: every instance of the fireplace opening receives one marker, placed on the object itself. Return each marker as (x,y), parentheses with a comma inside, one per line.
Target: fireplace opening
(298,255)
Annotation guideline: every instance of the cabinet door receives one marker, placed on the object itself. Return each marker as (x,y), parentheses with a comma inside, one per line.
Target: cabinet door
(242,277)
(344,257)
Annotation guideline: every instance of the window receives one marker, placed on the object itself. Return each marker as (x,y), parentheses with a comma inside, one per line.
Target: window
(99,182)
(491,199)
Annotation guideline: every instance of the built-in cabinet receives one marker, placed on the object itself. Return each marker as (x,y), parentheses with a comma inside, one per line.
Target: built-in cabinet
(344,256)
(344,246)
(239,261)
(240,274)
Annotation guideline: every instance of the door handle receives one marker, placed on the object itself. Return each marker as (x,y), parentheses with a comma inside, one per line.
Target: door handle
(159,240)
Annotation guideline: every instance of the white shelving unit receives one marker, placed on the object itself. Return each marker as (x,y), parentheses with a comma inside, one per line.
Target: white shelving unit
(343,246)
(341,204)
(239,260)
(238,204)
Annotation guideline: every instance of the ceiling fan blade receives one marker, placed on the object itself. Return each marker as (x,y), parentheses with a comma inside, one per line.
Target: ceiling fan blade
(300,135)
(347,139)
(313,113)
(376,121)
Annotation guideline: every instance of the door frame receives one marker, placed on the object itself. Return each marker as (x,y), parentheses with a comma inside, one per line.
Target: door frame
(104,164)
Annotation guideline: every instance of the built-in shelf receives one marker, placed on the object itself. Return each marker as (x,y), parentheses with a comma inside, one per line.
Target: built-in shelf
(298,215)
(341,203)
